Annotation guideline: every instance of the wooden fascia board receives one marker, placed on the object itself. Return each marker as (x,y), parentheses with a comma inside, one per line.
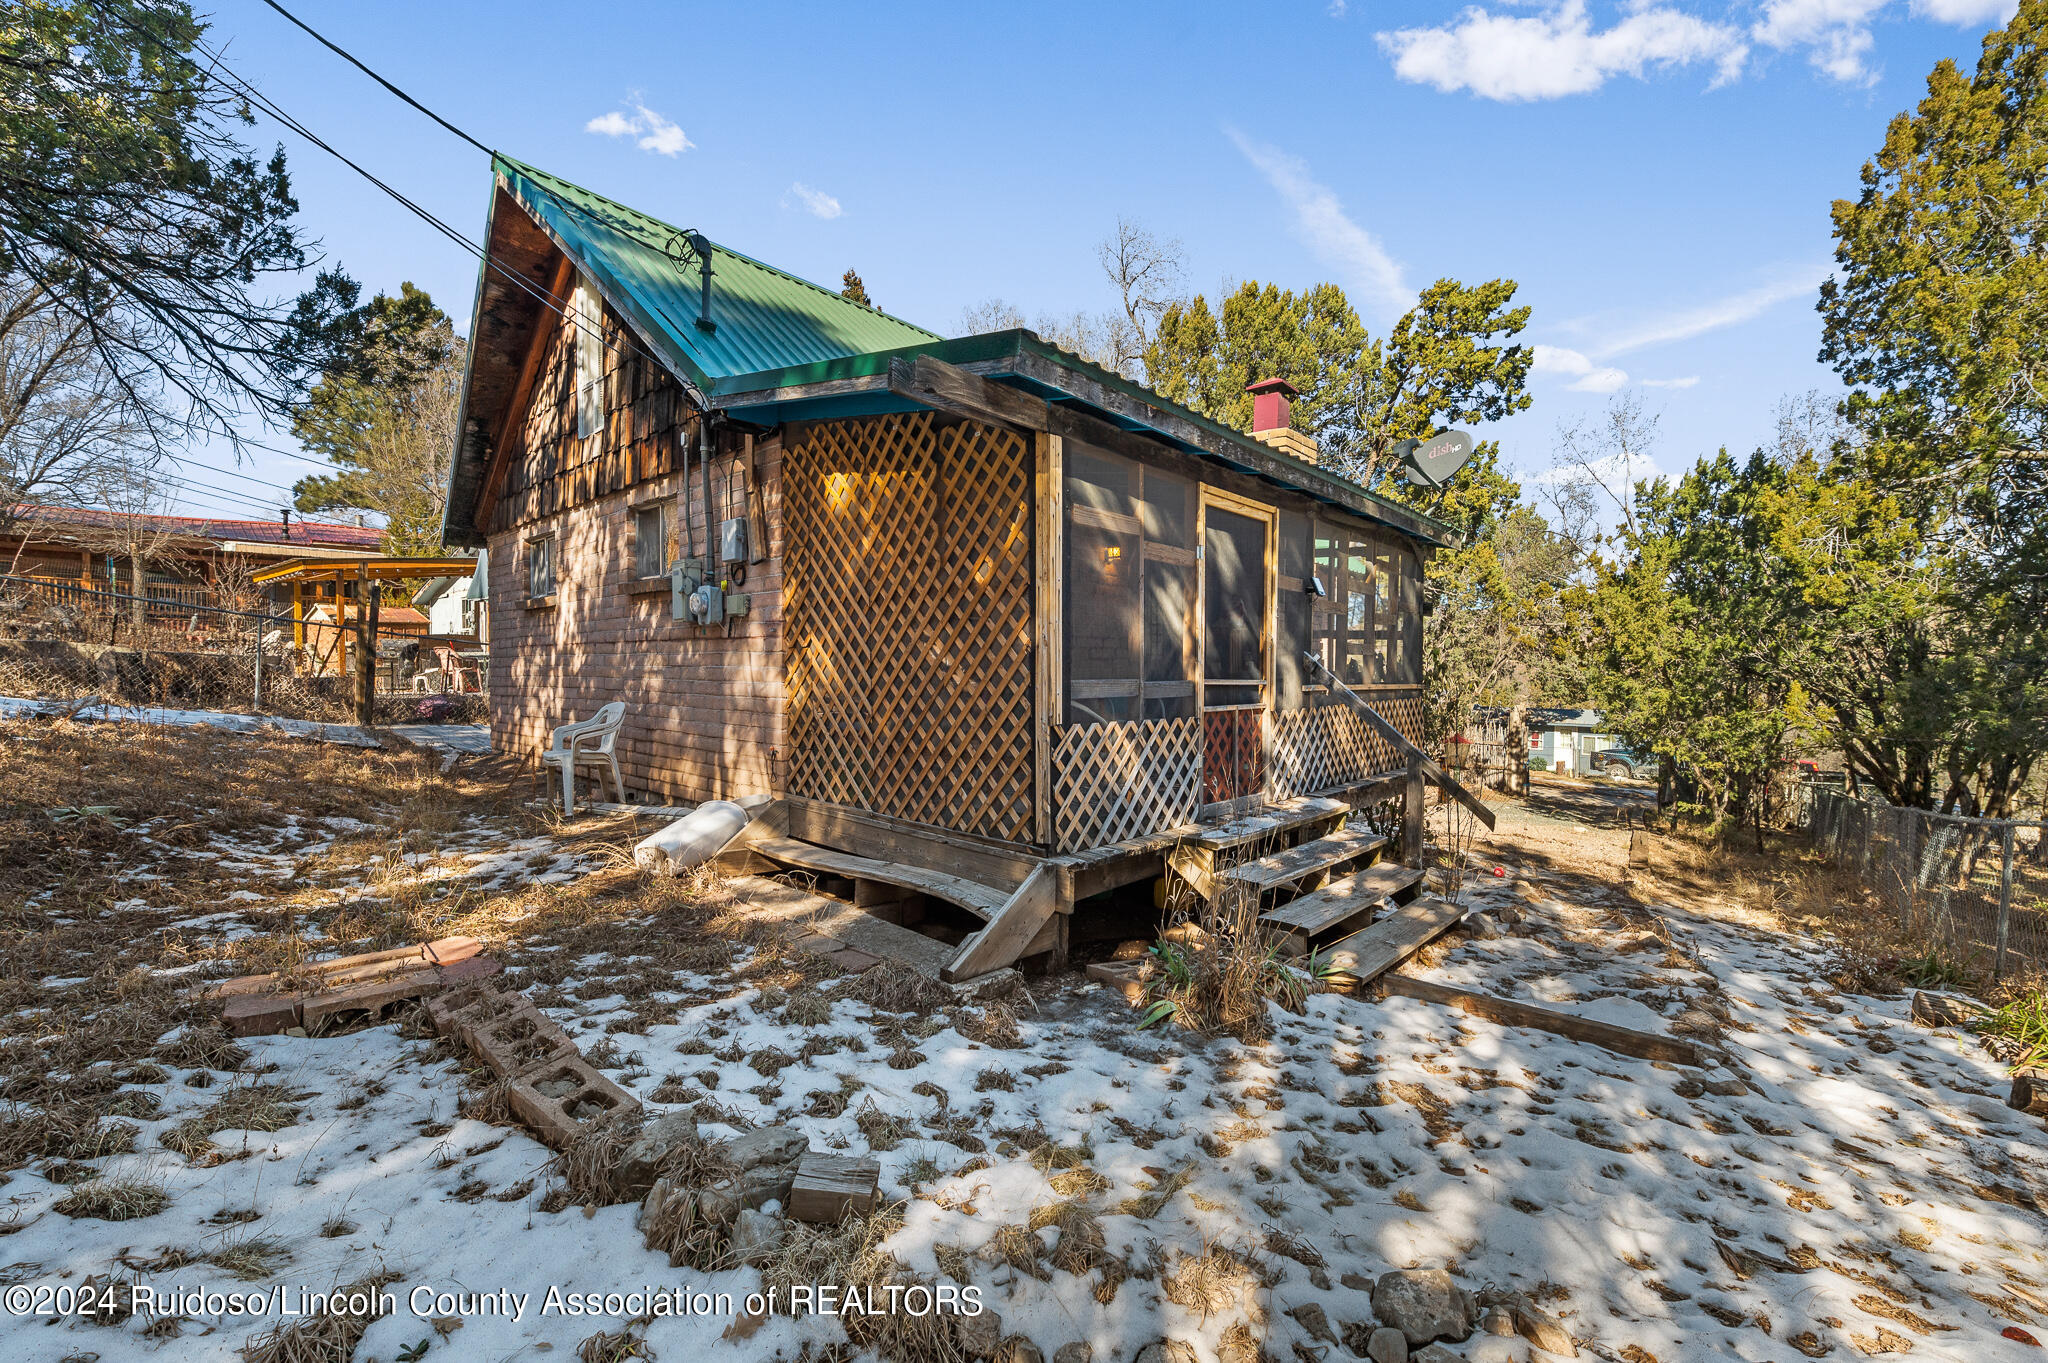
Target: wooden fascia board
(1245,454)
(651,337)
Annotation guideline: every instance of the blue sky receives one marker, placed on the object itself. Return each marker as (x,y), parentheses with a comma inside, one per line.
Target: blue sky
(1655,173)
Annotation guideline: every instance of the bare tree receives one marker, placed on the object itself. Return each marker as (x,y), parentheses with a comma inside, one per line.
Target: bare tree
(1148,274)
(991,314)
(1148,277)
(1608,457)
(62,411)
(1808,423)
(132,524)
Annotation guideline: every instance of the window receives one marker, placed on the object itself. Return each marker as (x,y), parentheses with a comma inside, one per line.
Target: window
(586,312)
(650,540)
(540,568)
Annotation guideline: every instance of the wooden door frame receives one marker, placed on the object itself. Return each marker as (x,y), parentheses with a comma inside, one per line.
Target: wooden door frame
(1269,516)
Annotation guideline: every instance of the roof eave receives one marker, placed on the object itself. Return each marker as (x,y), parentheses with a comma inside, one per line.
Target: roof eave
(857,385)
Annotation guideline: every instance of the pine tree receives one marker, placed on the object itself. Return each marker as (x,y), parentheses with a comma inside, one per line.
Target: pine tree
(852,289)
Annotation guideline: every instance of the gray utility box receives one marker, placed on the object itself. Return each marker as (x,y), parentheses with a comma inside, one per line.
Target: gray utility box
(732,540)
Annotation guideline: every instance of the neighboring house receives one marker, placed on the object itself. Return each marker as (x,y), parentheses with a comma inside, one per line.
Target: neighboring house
(453,606)
(966,602)
(65,545)
(1567,740)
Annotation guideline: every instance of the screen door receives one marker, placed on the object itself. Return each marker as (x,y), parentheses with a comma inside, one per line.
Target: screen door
(1237,634)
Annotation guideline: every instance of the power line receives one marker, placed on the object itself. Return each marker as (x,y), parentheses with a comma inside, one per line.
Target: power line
(271,106)
(349,57)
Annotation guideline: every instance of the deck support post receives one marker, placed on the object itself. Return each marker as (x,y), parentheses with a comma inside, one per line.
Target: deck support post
(366,652)
(1047,589)
(1413,804)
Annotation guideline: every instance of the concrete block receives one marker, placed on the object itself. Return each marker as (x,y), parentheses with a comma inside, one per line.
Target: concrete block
(521,1040)
(371,996)
(555,1101)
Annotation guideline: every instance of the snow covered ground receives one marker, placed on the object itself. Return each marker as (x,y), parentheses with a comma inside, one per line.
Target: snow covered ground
(1851,1185)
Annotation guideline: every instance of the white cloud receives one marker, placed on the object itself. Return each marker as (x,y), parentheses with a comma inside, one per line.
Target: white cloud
(1835,32)
(1966,11)
(1689,381)
(1558,52)
(1687,323)
(1321,221)
(655,133)
(1588,377)
(816,202)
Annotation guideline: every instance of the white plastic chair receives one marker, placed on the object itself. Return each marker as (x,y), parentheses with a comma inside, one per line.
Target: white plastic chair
(586,744)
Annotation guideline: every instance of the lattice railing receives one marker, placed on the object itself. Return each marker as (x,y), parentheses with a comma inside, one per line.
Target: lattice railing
(1112,782)
(1331,745)
(1124,780)
(908,599)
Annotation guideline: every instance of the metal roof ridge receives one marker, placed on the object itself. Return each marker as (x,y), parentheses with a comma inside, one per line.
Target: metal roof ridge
(530,171)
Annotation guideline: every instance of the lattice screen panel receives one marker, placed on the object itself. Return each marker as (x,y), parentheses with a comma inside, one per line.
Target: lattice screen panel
(1124,780)
(908,606)
(1314,749)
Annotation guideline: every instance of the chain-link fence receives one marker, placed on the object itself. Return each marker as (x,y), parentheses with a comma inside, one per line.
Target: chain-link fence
(1976,890)
(66,643)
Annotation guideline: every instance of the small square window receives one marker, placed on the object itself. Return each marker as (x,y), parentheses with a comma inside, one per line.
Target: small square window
(540,568)
(650,540)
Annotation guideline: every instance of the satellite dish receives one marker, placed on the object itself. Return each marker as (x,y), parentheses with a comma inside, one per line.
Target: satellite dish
(1430,463)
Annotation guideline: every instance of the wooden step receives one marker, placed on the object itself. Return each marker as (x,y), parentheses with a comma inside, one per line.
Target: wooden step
(778,901)
(1284,868)
(1364,956)
(1277,819)
(1342,898)
(981,900)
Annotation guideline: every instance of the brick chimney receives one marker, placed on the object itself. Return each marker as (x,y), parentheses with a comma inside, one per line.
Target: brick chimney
(1272,410)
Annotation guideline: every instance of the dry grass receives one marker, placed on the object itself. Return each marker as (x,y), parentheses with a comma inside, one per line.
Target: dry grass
(245,1107)
(108,1199)
(850,1253)
(1215,1281)
(329,1337)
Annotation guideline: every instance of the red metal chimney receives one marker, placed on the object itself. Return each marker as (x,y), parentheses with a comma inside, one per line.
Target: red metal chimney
(1271,410)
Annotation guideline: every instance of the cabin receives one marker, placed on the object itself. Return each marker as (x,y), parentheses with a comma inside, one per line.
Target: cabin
(997,631)
(192,561)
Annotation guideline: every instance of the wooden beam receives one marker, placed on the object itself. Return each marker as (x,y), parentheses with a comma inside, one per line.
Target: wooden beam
(1416,756)
(1013,928)
(1244,452)
(1607,1036)
(948,388)
(1049,615)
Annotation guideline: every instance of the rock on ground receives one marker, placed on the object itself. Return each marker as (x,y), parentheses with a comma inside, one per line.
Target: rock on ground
(1424,1305)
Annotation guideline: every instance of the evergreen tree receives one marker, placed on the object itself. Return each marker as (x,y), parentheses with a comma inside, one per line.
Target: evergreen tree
(386,421)
(852,289)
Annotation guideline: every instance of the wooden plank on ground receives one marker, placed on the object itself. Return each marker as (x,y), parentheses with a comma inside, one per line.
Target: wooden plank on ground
(1343,898)
(1608,1036)
(827,1187)
(775,901)
(1284,868)
(1372,952)
(984,901)
(1015,924)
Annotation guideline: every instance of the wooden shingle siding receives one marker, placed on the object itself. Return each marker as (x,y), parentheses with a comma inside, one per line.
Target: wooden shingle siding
(704,708)
(551,470)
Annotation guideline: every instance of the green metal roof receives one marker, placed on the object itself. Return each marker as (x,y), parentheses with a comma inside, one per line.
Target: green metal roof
(766,318)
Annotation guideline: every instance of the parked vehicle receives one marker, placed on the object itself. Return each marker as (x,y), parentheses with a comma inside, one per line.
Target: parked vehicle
(1622,763)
